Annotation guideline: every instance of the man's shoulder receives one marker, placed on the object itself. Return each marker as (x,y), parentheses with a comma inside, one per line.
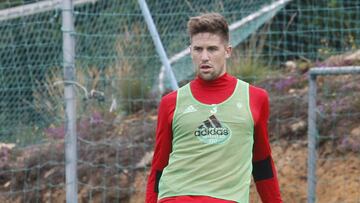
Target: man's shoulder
(169,97)
(259,99)
(258,91)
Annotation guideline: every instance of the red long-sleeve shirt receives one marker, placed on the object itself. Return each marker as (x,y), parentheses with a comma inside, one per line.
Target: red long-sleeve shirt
(214,92)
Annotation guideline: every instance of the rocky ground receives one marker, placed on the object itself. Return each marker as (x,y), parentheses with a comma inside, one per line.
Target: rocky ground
(338,175)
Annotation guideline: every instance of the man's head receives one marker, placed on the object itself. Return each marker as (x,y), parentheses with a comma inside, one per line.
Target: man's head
(210,22)
(209,36)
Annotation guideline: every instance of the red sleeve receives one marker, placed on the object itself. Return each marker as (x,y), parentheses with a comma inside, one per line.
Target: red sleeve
(264,172)
(162,145)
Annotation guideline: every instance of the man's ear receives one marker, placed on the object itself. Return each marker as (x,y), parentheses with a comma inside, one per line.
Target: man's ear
(228,51)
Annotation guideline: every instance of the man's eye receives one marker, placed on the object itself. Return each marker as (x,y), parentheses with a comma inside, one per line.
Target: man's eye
(212,49)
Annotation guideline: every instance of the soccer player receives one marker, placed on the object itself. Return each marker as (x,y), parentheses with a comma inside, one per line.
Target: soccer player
(212,132)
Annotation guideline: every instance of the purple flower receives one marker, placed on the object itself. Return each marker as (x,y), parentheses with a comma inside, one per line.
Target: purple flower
(55,132)
(285,83)
(4,155)
(96,118)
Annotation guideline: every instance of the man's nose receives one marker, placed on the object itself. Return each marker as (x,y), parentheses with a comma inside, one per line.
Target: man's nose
(204,56)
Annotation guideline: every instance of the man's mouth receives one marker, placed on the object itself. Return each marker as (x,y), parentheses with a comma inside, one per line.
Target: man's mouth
(205,67)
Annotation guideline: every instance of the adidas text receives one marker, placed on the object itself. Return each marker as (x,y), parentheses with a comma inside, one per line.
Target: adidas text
(212,132)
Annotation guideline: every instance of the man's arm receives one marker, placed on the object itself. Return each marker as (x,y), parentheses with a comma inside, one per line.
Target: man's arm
(264,172)
(162,145)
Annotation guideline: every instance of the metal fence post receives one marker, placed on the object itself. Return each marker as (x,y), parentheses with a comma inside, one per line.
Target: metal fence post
(159,46)
(312,128)
(312,140)
(70,101)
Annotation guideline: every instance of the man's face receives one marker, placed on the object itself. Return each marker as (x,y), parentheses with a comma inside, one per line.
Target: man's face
(209,53)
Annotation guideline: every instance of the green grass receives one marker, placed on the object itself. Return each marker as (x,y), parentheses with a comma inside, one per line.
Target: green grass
(250,71)
(246,62)
(23,135)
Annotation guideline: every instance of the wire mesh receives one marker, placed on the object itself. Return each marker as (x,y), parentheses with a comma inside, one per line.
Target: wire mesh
(117,71)
(336,140)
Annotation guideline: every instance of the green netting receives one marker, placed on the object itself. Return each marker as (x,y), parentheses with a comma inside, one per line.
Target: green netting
(242,24)
(114,34)
(30,47)
(314,30)
(116,59)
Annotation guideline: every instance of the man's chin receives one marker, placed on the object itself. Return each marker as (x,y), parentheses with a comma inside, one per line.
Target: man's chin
(207,77)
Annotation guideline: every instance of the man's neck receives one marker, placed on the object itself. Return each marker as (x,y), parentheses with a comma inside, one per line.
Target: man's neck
(221,80)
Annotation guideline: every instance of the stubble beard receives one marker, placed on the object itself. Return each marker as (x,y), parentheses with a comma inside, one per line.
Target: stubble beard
(209,76)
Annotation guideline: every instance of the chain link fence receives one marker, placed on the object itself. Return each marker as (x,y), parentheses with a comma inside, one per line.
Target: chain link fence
(117,91)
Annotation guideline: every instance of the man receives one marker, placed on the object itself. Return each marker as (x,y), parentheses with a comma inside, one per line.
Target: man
(212,133)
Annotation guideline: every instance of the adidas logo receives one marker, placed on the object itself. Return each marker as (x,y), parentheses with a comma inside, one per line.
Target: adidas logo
(189,109)
(214,109)
(239,105)
(211,131)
